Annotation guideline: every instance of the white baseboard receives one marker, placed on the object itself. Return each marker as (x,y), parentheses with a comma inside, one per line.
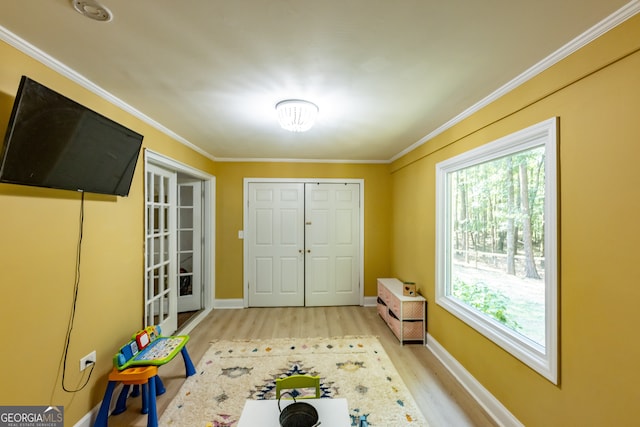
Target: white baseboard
(494,408)
(370,301)
(90,417)
(239,303)
(229,303)
(86,421)
(194,322)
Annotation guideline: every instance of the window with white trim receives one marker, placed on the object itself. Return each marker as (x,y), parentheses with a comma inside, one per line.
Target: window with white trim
(496,243)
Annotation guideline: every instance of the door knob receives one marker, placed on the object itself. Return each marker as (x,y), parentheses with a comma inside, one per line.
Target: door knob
(308,223)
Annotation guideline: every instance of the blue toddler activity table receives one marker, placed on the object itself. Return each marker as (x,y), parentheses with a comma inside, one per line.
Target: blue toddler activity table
(147,348)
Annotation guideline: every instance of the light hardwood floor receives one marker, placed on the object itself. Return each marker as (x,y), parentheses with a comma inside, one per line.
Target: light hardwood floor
(442,400)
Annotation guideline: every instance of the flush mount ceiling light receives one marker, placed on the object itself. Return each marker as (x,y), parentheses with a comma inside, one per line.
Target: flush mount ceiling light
(92,10)
(296,115)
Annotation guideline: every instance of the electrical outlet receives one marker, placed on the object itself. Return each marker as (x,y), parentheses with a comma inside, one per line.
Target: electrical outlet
(88,360)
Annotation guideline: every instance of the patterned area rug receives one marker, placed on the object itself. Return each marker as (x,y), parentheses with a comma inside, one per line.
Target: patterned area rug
(355,368)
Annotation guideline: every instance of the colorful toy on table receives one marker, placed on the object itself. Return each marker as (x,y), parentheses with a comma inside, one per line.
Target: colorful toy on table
(149,348)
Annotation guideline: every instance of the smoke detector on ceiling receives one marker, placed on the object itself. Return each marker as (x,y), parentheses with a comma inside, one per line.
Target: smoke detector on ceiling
(92,10)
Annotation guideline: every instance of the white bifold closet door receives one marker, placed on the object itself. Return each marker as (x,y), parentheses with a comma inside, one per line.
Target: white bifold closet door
(303,244)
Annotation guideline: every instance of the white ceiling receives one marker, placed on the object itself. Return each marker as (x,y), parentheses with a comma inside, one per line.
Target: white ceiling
(385,74)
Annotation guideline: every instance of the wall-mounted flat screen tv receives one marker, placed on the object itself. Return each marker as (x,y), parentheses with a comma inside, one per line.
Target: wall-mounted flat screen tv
(54,142)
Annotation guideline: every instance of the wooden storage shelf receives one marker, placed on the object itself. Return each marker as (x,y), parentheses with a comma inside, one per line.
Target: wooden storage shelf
(405,316)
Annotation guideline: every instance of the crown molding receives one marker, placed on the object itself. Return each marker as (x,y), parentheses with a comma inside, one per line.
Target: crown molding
(582,40)
(59,67)
(615,19)
(274,160)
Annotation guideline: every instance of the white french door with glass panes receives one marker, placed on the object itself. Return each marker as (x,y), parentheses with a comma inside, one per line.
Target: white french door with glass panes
(180,236)
(160,242)
(189,244)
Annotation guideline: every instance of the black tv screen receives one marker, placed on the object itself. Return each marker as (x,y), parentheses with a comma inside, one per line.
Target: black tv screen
(54,142)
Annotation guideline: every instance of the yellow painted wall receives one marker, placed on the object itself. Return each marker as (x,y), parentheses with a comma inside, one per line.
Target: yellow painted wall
(596,95)
(230,181)
(38,238)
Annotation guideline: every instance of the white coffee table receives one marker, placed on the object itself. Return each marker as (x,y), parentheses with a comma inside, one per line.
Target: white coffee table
(264,413)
